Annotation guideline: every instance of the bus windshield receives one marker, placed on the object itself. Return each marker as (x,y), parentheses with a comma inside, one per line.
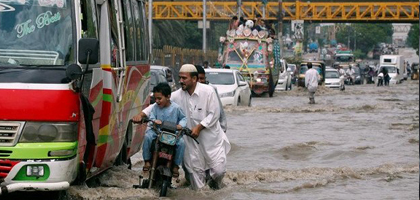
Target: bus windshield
(35,32)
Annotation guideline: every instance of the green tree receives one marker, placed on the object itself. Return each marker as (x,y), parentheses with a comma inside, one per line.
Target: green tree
(177,33)
(366,36)
(413,37)
(167,32)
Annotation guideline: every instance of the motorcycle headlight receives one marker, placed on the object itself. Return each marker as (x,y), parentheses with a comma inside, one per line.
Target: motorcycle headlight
(228,94)
(258,79)
(49,132)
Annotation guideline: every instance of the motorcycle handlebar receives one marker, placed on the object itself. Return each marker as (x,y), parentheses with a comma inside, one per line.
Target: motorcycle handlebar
(185,131)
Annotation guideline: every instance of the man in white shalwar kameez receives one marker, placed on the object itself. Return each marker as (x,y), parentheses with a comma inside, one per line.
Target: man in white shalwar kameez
(311,82)
(201,107)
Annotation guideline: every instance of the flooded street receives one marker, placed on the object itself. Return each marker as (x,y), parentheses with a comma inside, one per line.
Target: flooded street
(362,143)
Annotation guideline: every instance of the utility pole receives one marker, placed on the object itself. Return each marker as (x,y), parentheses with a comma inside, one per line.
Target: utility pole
(348,36)
(280,27)
(204,29)
(150,31)
(264,2)
(355,38)
(239,9)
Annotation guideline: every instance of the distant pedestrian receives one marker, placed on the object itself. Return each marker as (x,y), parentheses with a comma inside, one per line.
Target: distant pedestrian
(311,82)
(206,65)
(386,76)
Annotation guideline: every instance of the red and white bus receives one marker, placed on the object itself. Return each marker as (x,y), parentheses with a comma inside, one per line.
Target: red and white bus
(72,75)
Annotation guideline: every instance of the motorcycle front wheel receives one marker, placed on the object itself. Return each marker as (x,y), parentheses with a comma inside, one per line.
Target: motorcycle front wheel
(164,188)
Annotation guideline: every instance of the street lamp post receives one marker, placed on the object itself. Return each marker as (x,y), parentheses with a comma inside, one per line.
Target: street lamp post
(280,29)
(204,29)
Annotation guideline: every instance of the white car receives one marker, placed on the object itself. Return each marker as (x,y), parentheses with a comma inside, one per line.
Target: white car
(285,77)
(332,79)
(231,86)
(167,73)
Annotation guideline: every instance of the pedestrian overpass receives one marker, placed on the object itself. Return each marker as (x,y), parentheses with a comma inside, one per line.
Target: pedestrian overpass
(389,12)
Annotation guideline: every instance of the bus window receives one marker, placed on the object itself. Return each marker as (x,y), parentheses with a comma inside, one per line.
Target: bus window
(129,31)
(141,37)
(89,22)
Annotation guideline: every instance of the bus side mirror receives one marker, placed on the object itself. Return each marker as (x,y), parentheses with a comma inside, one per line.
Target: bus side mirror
(88,51)
(74,72)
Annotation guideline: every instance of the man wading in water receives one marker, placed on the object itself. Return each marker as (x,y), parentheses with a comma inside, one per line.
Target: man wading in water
(204,162)
(311,82)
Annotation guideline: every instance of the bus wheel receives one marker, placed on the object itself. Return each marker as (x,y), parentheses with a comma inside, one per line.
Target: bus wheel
(122,157)
(81,174)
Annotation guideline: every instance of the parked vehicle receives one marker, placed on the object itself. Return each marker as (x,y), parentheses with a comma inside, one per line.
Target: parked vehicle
(167,72)
(71,87)
(318,65)
(163,152)
(332,79)
(232,87)
(395,66)
(253,54)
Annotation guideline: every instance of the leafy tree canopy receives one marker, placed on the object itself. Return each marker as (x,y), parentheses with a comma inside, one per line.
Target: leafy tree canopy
(366,35)
(413,37)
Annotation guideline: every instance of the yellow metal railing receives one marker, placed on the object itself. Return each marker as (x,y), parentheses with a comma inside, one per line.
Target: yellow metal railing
(317,11)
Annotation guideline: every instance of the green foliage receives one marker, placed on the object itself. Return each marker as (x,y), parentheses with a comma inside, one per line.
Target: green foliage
(193,37)
(177,33)
(366,35)
(413,37)
(216,30)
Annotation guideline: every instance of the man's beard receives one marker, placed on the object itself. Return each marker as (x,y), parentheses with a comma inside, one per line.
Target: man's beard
(183,87)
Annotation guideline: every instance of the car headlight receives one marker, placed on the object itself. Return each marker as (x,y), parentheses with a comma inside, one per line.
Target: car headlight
(357,77)
(49,132)
(228,94)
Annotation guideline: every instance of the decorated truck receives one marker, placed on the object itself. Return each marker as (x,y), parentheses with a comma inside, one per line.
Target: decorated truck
(255,55)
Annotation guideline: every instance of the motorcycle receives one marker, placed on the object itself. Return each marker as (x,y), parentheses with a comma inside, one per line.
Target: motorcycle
(348,80)
(163,153)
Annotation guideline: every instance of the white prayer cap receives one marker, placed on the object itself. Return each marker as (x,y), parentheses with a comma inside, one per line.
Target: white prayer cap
(188,68)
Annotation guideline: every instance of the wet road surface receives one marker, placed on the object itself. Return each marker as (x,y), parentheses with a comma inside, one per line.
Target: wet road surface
(362,143)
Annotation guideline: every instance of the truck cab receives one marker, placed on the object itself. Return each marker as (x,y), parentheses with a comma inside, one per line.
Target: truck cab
(395,66)
(343,58)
